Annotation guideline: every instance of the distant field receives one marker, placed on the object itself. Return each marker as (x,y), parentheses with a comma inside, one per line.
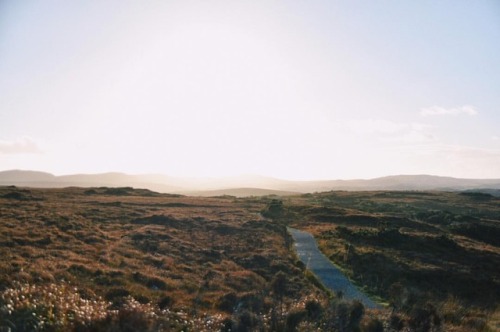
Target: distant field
(242,192)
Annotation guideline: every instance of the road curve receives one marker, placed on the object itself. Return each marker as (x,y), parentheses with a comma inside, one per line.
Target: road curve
(327,273)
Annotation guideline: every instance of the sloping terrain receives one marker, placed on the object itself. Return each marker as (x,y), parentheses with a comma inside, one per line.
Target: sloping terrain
(434,251)
(198,258)
(250,185)
(124,259)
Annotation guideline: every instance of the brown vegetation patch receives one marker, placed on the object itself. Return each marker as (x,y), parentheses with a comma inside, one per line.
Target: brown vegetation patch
(431,246)
(147,254)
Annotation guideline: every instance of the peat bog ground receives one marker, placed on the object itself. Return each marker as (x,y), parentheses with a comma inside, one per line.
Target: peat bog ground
(421,253)
(124,259)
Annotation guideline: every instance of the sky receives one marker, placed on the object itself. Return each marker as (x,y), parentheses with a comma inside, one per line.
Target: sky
(290,89)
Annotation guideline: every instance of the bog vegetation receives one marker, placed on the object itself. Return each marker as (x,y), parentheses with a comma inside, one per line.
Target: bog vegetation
(124,259)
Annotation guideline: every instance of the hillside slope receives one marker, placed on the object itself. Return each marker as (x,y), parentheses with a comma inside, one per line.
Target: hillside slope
(257,184)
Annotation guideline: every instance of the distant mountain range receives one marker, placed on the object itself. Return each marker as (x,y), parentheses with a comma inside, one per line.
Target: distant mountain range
(243,185)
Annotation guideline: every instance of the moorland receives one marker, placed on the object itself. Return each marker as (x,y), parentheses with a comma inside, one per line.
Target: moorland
(433,254)
(125,259)
(135,260)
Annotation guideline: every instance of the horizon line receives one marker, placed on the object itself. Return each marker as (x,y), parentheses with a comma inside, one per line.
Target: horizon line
(242,175)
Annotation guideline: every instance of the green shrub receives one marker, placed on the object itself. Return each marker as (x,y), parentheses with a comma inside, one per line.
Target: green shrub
(373,325)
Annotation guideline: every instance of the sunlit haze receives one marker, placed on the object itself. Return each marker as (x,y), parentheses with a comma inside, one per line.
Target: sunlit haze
(289,89)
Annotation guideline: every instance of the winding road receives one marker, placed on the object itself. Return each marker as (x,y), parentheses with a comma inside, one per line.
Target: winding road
(327,273)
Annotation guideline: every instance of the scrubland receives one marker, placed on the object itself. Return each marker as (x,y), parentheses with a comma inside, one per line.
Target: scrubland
(432,257)
(123,259)
(128,259)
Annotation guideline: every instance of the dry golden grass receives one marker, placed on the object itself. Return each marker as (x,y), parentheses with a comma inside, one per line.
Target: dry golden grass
(152,262)
(121,245)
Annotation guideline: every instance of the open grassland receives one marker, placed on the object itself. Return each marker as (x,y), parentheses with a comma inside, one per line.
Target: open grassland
(123,259)
(189,261)
(434,254)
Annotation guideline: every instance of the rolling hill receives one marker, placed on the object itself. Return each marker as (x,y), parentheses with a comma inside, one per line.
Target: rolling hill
(249,185)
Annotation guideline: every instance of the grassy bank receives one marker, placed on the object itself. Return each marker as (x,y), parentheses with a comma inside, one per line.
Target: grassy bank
(432,253)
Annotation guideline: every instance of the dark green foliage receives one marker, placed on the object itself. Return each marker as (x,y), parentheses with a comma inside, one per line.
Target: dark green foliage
(345,316)
(246,321)
(21,195)
(227,325)
(80,271)
(24,320)
(424,319)
(158,220)
(116,293)
(293,320)
(130,320)
(314,310)
(120,191)
(356,313)
(150,282)
(165,302)
(373,325)
(274,209)
(279,285)
(227,302)
(486,233)
(252,302)
(397,295)
(396,323)
(477,195)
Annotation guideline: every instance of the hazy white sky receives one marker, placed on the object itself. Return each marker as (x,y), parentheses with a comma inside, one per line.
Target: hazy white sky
(291,89)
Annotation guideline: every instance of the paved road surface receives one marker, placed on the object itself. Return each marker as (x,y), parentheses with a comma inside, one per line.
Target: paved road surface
(327,273)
